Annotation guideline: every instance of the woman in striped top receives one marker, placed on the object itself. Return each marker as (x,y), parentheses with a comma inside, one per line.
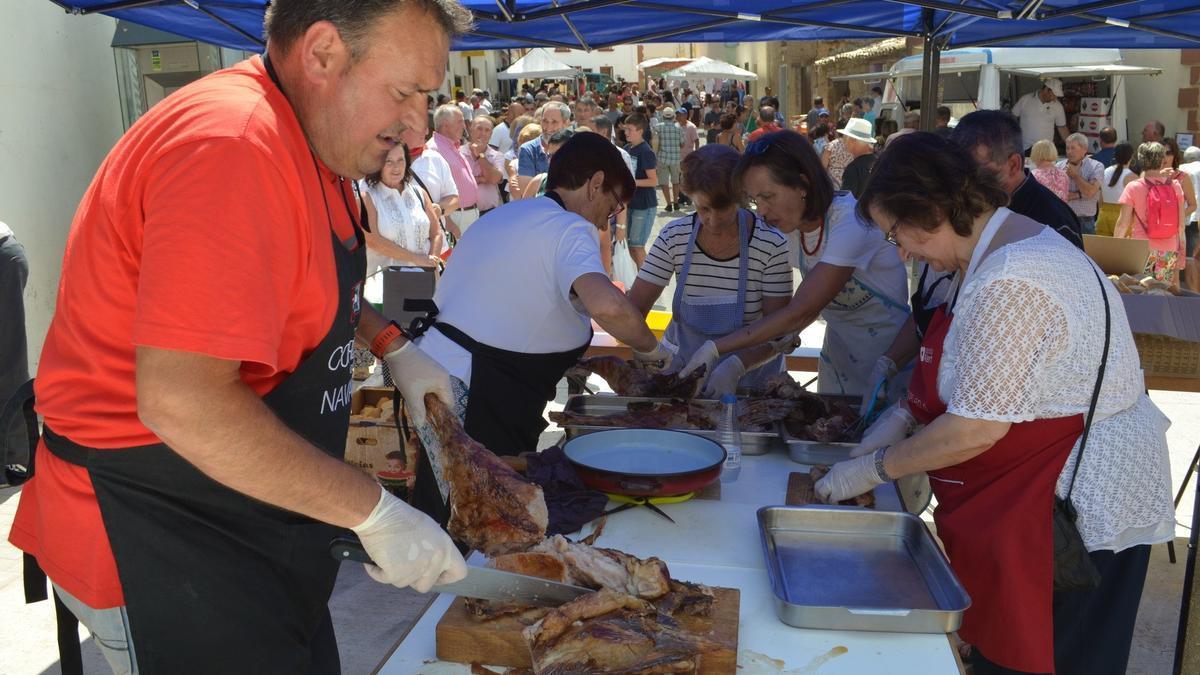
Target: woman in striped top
(853,278)
(731,269)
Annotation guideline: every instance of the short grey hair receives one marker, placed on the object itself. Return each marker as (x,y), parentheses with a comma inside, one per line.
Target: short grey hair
(443,113)
(1078,139)
(483,118)
(1192,154)
(586,101)
(562,108)
(1151,155)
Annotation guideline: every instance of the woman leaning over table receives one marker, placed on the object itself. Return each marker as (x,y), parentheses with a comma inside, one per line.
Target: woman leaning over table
(1005,378)
(852,278)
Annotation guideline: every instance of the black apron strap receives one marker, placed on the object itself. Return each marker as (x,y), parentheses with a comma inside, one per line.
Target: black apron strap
(70,655)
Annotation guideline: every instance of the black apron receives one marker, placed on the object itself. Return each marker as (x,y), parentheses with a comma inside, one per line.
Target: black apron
(508,394)
(215,581)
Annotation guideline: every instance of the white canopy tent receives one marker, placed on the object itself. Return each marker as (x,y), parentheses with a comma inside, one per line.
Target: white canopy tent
(705,68)
(539,64)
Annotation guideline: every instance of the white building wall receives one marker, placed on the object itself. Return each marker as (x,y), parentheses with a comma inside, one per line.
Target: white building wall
(622,59)
(1154,98)
(60,117)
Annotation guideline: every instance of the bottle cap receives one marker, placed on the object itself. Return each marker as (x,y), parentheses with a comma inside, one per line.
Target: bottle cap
(728,398)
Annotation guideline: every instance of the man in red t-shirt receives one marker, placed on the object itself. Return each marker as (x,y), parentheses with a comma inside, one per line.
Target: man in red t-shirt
(766,123)
(195,380)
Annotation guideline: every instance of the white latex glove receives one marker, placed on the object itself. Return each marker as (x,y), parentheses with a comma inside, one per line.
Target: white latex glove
(660,357)
(724,378)
(848,479)
(786,344)
(408,547)
(706,355)
(415,375)
(885,369)
(893,426)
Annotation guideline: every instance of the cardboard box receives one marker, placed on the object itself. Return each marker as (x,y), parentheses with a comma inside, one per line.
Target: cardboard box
(1095,106)
(373,436)
(1091,124)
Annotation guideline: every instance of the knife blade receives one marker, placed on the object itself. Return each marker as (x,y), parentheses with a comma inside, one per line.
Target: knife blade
(484,583)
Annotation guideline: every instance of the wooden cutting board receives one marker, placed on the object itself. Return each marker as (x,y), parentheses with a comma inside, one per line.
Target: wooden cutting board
(800,490)
(463,639)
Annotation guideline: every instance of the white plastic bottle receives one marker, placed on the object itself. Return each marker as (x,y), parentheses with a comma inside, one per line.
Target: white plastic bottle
(729,435)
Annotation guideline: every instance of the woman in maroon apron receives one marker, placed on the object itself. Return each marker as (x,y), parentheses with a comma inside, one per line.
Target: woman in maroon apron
(994,480)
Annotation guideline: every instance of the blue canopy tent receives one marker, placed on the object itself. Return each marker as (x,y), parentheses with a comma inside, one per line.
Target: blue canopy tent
(594,24)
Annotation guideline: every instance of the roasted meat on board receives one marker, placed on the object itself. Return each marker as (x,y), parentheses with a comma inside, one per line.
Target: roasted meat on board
(492,508)
(629,378)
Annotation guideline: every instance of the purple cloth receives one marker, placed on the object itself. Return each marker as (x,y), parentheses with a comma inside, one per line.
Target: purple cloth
(569,503)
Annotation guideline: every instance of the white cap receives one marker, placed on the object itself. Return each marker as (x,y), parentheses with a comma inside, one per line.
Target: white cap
(1053,84)
(858,129)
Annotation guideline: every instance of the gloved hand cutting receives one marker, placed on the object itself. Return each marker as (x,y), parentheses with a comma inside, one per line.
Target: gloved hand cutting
(415,375)
(706,355)
(848,479)
(660,357)
(408,548)
(881,374)
(893,426)
(724,378)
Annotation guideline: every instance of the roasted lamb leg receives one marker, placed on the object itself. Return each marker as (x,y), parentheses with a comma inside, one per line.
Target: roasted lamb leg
(632,379)
(492,508)
(612,632)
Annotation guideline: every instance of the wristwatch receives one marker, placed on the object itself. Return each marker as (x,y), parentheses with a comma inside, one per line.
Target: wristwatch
(385,338)
(879,468)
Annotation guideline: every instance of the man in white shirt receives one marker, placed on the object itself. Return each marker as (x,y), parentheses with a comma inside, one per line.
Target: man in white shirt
(503,136)
(432,172)
(484,103)
(517,301)
(1041,113)
(468,111)
(1085,174)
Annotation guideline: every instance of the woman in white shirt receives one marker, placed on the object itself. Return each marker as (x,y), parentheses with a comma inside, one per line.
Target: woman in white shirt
(405,227)
(1003,386)
(1116,177)
(852,278)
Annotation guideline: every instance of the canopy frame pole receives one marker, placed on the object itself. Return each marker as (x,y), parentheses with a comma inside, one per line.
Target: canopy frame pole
(1029,9)
(793,9)
(1144,28)
(571,27)
(508,17)
(258,40)
(931,63)
(114,6)
(956,9)
(1032,34)
(532,41)
(560,10)
(767,18)
(650,37)
(1055,12)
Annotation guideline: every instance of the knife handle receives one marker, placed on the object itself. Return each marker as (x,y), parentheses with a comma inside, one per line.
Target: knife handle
(348,547)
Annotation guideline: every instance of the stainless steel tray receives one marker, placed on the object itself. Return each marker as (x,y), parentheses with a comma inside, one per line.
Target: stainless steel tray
(819,452)
(843,568)
(753,442)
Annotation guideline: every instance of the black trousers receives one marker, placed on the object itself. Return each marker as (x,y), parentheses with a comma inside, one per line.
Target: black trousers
(1093,630)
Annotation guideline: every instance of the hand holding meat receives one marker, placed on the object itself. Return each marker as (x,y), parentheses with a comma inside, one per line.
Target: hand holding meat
(408,548)
(885,369)
(706,356)
(415,375)
(893,426)
(724,378)
(660,357)
(848,479)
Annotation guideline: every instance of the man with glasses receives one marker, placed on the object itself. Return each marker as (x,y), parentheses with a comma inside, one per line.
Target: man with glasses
(506,345)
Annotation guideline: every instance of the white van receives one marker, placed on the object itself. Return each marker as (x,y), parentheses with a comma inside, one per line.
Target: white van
(994,78)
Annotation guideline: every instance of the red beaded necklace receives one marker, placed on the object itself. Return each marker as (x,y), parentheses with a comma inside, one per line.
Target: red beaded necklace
(820,238)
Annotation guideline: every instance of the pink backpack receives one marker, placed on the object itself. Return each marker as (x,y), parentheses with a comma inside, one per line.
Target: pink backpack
(1162,210)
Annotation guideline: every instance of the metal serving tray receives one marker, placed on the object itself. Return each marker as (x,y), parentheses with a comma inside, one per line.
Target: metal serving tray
(753,442)
(819,452)
(843,568)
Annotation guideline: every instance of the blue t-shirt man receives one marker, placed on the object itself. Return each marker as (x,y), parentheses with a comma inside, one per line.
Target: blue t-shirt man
(532,158)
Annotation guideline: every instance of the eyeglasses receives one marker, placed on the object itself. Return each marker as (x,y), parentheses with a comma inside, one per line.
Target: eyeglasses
(890,237)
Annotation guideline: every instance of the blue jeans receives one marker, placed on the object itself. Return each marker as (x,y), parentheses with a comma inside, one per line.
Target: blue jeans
(1087,224)
(640,223)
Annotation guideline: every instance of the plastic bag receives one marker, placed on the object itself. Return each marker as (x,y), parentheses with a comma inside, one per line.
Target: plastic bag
(624,271)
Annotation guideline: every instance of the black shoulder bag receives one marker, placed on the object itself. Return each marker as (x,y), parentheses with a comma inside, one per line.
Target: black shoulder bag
(1073,569)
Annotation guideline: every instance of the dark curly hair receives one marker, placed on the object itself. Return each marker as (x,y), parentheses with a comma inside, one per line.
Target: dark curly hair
(923,180)
(373,179)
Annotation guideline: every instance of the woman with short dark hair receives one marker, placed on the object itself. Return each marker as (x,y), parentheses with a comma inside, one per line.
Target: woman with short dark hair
(730,269)
(852,278)
(1031,342)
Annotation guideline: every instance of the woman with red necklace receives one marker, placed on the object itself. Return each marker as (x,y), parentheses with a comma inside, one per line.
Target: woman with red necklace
(852,278)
